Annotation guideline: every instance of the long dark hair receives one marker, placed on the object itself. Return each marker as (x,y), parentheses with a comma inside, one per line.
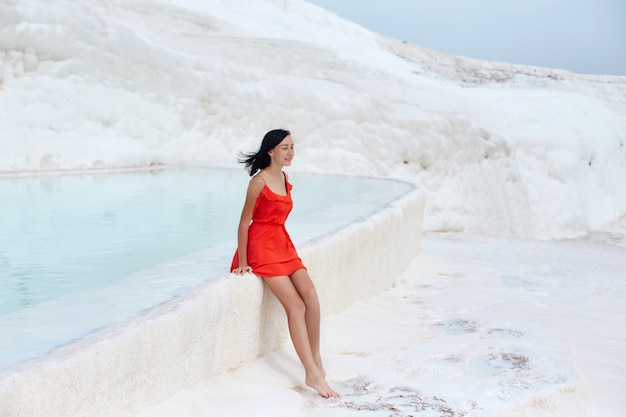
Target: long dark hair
(256,161)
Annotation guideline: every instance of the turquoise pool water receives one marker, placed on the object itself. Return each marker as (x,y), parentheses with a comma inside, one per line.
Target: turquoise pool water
(79,253)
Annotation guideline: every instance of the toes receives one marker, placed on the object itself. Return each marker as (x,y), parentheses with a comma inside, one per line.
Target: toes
(330,394)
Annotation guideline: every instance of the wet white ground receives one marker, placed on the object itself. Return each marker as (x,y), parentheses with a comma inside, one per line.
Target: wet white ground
(476,326)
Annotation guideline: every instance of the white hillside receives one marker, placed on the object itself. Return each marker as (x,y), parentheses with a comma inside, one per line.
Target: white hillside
(498,148)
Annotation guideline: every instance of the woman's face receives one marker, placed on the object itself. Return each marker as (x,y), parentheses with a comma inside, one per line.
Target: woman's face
(282,154)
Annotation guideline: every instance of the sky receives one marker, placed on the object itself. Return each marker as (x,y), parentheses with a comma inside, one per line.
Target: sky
(582,36)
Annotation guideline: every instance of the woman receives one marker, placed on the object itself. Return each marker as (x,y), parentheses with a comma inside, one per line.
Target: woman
(265,249)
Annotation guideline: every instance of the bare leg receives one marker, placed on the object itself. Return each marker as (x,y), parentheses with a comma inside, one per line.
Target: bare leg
(306,289)
(284,289)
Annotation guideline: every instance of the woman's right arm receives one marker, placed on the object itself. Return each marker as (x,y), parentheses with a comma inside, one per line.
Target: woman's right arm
(254,189)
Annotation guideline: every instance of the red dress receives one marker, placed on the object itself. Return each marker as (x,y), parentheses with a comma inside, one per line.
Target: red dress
(271,252)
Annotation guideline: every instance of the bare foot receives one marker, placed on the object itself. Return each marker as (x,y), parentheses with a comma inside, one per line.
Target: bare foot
(320,385)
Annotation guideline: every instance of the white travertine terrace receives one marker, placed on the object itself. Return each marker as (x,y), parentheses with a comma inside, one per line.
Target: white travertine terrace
(215,327)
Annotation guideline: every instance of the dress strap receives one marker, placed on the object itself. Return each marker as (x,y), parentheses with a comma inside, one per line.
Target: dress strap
(268,187)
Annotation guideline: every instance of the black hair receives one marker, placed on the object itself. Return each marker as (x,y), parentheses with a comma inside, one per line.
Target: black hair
(256,161)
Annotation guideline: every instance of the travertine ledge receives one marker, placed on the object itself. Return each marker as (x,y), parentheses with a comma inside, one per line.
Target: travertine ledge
(217,326)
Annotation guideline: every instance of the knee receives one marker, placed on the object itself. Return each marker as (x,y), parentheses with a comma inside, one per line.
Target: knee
(310,298)
(295,308)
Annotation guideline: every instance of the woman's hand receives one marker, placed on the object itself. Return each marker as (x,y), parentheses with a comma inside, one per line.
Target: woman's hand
(242,270)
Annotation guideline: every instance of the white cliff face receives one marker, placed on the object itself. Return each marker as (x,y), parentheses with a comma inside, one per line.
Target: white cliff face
(497,148)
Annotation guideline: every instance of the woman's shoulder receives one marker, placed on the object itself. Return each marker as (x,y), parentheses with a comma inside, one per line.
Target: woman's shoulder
(256,184)
(257,179)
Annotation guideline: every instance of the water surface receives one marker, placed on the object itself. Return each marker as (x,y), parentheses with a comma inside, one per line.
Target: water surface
(81,252)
